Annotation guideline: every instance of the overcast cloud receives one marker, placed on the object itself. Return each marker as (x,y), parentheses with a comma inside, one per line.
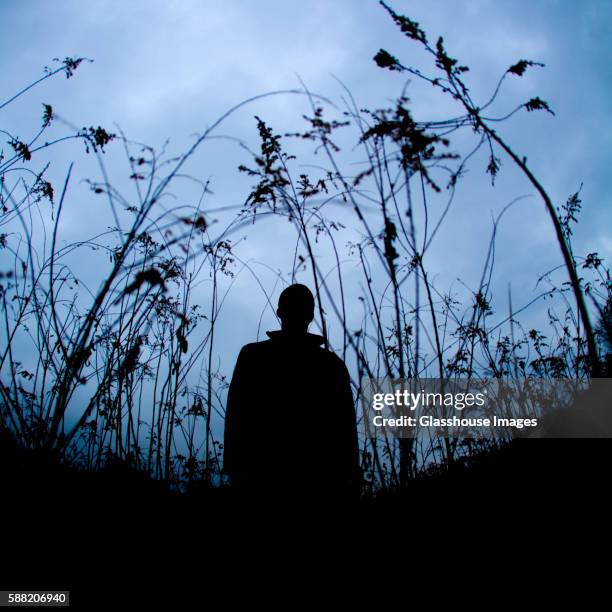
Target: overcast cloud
(168,69)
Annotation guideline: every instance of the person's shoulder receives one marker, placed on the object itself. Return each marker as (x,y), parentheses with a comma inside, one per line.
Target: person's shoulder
(331,358)
(254,348)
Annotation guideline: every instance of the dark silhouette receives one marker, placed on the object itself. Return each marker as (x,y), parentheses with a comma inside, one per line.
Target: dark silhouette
(290,428)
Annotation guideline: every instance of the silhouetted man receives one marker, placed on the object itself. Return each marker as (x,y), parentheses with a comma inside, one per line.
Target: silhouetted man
(290,425)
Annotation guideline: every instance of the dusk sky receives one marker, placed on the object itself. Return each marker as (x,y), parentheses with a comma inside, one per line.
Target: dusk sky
(166,70)
(436,172)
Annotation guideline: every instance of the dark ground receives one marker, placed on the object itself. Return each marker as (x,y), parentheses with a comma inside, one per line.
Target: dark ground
(116,534)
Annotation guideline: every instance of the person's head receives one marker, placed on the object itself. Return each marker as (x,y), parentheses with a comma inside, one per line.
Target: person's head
(296,308)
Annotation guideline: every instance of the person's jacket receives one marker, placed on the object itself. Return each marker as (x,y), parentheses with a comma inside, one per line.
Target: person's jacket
(290,423)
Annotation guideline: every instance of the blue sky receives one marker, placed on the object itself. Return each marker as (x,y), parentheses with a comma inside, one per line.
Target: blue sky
(169,69)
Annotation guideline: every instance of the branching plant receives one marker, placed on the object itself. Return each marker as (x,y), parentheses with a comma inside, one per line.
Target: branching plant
(121,363)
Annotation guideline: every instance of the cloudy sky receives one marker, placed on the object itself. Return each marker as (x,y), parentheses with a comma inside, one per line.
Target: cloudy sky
(167,69)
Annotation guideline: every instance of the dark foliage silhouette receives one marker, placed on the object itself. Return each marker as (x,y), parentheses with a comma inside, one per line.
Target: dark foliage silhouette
(122,369)
(123,446)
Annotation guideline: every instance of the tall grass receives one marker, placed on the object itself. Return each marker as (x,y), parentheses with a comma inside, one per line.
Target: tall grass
(127,370)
